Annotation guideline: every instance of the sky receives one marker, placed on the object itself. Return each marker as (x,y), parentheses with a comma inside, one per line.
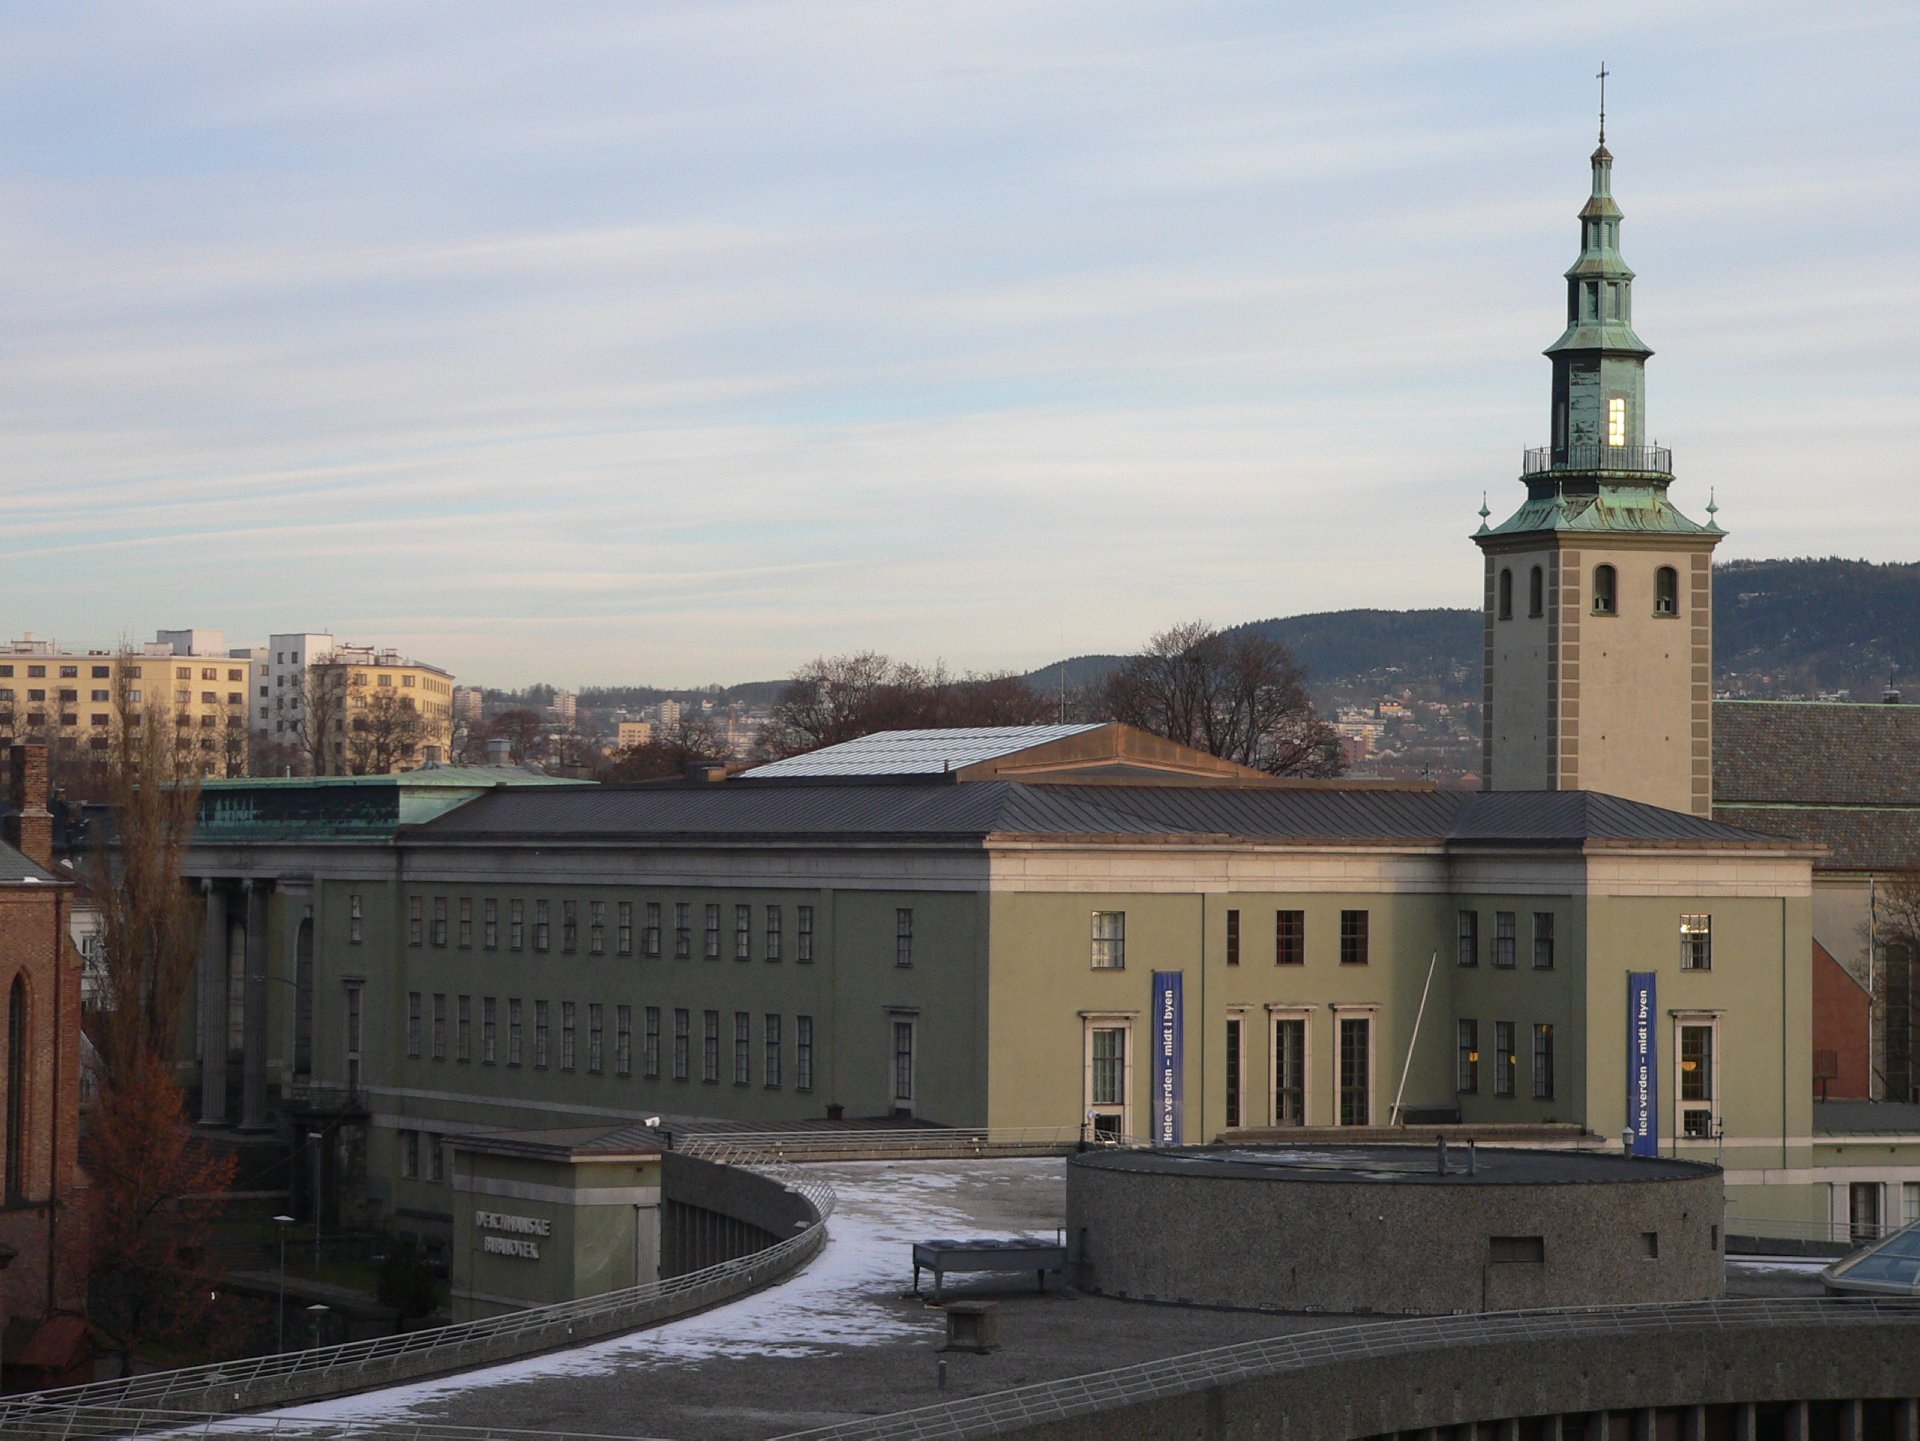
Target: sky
(679,343)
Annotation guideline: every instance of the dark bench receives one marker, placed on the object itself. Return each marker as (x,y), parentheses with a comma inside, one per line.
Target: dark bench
(941,1257)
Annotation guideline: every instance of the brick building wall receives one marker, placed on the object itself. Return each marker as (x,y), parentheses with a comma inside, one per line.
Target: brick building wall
(1842,1027)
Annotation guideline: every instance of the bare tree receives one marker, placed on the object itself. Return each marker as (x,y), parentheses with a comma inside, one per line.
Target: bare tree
(669,753)
(319,721)
(837,698)
(385,730)
(1243,698)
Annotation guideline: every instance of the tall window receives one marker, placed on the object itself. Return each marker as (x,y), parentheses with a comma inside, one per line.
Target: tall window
(489,1029)
(1616,420)
(803,1053)
(439,920)
(1289,938)
(439,1025)
(710,1048)
(542,925)
(682,1026)
(650,1044)
(1234,1065)
(803,935)
(770,1051)
(1356,1070)
(566,1035)
(354,915)
(1353,938)
(650,938)
(623,934)
(1107,1081)
(1542,1062)
(682,930)
(596,928)
(1697,1087)
(1505,1063)
(1505,938)
(1467,939)
(903,1039)
(712,944)
(466,923)
(1537,593)
(569,926)
(903,936)
(623,1040)
(1233,938)
(353,998)
(742,1049)
(513,1030)
(416,922)
(413,1025)
(1605,601)
(1696,942)
(743,933)
(1109,940)
(1543,940)
(516,925)
(1290,1071)
(775,920)
(1467,1063)
(490,924)
(1506,594)
(1666,591)
(463,1029)
(542,1012)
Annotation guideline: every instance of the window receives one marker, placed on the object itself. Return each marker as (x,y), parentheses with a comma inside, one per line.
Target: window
(1504,1060)
(437,1153)
(440,920)
(1604,600)
(1234,1066)
(1109,940)
(1467,939)
(623,934)
(1696,943)
(1542,1062)
(1290,1070)
(513,1030)
(770,1051)
(710,1048)
(682,930)
(101,697)
(803,935)
(1505,946)
(596,928)
(1616,420)
(413,1025)
(803,1062)
(490,924)
(1909,1202)
(743,933)
(650,937)
(1666,591)
(1697,1086)
(542,1013)
(902,936)
(1467,1066)
(439,1025)
(1863,1211)
(1233,938)
(516,925)
(353,920)
(566,1035)
(99,672)
(542,925)
(416,920)
(1506,595)
(489,1029)
(623,1040)
(1107,1057)
(711,945)
(650,1044)
(681,1022)
(353,990)
(1356,1070)
(742,1049)
(569,926)
(1536,593)
(1516,1250)
(902,1067)
(410,1154)
(1543,940)
(466,923)
(775,921)
(1289,938)
(463,1029)
(1353,938)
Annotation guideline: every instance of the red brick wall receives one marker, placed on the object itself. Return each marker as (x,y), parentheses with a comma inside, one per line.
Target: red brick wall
(1842,1025)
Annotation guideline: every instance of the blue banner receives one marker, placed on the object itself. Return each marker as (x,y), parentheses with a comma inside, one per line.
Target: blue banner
(1166,1058)
(1643,1065)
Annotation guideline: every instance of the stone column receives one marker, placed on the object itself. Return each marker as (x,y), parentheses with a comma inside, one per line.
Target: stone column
(213,1009)
(254,1113)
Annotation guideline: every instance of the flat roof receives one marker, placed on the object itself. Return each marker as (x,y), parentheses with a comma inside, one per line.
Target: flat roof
(1396,1165)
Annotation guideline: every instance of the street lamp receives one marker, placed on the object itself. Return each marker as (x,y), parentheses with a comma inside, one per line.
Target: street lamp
(280,1312)
(317,1310)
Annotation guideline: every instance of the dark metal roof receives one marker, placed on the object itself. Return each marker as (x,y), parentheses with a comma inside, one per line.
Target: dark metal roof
(762,810)
(1810,753)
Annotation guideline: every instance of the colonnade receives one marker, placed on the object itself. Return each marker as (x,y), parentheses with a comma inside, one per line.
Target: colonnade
(241,904)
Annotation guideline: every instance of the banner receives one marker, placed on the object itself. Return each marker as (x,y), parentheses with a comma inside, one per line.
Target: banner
(1166,1058)
(1643,1065)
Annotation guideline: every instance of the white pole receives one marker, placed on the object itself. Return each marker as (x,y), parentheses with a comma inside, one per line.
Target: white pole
(1393,1116)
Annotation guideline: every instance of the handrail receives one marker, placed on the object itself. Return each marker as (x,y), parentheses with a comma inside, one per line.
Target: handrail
(1843,1233)
(1654,459)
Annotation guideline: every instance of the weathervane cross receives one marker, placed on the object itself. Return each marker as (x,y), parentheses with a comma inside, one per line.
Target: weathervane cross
(1602,77)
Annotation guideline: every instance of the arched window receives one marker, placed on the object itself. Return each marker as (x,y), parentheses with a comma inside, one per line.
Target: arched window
(1603,590)
(1536,593)
(1666,591)
(1506,595)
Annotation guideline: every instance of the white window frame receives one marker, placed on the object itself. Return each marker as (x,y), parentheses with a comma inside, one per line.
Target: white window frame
(1304,1015)
(1367,1013)
(1121,1021)
(1711,1107)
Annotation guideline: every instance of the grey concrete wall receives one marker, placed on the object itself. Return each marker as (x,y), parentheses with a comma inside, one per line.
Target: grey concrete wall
(1389,1248)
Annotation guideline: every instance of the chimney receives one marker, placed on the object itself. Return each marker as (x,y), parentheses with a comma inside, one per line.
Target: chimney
(499,751)
(29,824)
(705,770)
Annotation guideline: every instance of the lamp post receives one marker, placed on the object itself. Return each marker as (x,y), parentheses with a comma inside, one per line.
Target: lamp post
(280,1311)
(317,1310)
(314,1139)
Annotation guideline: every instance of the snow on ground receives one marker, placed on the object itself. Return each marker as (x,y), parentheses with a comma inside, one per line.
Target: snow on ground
(842,1298)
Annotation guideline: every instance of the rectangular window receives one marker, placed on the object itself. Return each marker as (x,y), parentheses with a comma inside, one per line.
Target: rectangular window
(1467,939)
(466,923)
(353,920)
(1909,1202)
(682,1024)
(770,1051)
(803,936)
(542,925)
(413,1025)
(1542,1062)
(650,937)
(623,1040)
(1289,938)
(1467,1068)
(623,938)
(566,1035)
(1505,1062)
(774,926)
(682,930)
(1505,933)
(742,1048)
(1233,940)
(569,926)
(903,936)
(1109,1079)
(1290,1071)
(803,1063)
(743,933)
(410,1154)
(650,1044)
(710,1048)
(1109,940)
(1543,940)
(542,1013)
(903,1038)
(1697,1080)
(596,928)
(516,925)
(1353,938)
(1234,1067)
(416,920)
(490,924)
(1356,1069)
(1696,943)
(437,1154)
(353,990)
(440,920)
(489,1029)
(1616,420)
(463,1029)
(712,944)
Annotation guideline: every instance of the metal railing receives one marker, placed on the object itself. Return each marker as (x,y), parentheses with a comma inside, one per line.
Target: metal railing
(288,1376)
(880,1143)
(114,1421)
(1655,459)
(1249,1360)
(1836,1233)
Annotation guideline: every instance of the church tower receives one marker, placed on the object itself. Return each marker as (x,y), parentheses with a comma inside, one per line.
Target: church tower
(1599,593)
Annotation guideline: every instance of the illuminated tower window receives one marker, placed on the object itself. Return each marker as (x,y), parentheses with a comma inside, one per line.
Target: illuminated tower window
(1617,420)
